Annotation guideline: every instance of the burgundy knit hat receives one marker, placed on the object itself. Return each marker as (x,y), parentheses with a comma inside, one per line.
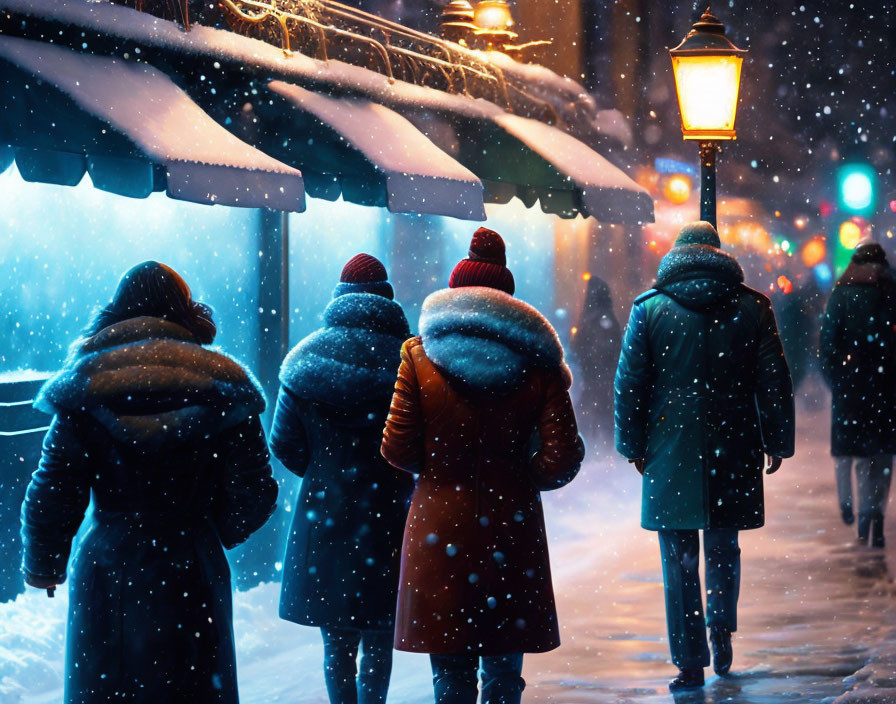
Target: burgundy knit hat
(486,264)
(364,273)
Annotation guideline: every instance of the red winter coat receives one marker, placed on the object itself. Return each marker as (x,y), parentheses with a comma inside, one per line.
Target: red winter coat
(482,412)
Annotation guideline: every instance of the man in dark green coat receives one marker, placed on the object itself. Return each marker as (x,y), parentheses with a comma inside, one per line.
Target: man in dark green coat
(858,361)
(703,393)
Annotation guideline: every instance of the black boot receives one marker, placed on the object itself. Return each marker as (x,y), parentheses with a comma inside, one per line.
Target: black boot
(864,526)
(846,514)
(877,532)
(688,678)
(722,654)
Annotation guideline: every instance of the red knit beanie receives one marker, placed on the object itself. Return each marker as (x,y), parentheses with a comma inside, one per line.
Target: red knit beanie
(364,273)
(485,265)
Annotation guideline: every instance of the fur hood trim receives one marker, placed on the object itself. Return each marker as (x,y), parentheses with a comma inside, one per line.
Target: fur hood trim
(353,360)
(698,261)
(148,383)
(486,339)
(698,276)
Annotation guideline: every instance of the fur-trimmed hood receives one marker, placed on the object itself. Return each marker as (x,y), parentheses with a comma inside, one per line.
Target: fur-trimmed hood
(150,385)
(352,360)
(486,340)
(698,276)
(868,273)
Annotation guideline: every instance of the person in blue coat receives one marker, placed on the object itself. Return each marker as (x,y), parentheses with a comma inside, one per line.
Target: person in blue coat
(340,573)
(161,436)
(703,394)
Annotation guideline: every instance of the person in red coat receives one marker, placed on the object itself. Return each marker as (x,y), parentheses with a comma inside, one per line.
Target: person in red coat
(481,413)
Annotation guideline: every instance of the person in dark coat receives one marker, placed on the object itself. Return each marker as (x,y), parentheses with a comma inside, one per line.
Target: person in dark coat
(482,414)
(341,568)
(164,434)
(595,348)
(858,362)
(702,394)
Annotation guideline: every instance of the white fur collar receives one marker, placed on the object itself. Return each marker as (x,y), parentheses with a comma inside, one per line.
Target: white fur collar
(486,339)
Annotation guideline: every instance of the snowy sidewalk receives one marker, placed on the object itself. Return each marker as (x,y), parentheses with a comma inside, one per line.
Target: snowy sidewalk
(817,615)
(815,609)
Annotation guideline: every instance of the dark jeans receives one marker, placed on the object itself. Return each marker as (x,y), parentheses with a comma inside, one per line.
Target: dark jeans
(680,550)
(873,476)
(345,684)
(454,678)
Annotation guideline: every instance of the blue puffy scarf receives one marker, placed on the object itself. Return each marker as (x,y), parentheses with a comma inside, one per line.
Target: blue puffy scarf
(353,359)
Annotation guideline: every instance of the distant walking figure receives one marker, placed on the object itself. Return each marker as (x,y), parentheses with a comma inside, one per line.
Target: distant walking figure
(595,348)
(341,568)
(702,391)
(162,436)
(482,414)
(858,361)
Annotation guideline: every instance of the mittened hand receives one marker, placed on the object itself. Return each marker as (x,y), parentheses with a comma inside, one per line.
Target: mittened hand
(774,464)
(639,464)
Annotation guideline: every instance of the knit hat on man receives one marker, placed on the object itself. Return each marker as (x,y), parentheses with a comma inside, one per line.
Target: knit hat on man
(485,265)
(699,232)
(364,273)
(869,252)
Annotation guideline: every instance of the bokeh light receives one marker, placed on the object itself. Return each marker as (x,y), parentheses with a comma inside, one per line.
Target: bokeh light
(850,234)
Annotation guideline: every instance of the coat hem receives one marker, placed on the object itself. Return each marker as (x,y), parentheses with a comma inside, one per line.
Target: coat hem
(481,652)
(656,529)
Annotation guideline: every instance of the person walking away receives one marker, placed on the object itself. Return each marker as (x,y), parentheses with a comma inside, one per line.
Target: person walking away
(482,414)
(595,348)
(341,568)
(857,349)
(164,434)
(702,394)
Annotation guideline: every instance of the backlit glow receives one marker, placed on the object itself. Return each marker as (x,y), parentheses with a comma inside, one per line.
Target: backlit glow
(857,191)
(850,234)
(707,89)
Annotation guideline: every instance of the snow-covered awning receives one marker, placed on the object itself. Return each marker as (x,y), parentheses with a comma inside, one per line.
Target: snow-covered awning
(599,188)
(333,120)
(131,128)
(416,176)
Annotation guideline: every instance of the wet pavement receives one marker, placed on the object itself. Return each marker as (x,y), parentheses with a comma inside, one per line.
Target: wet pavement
(815,608)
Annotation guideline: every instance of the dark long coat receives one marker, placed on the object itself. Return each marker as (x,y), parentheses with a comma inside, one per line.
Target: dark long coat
(702,391)
(857,348)
(342,556)
(482,412)
(595,348)
(164,435)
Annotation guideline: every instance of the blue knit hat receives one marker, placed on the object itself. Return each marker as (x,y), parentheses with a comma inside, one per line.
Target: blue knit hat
(699,232)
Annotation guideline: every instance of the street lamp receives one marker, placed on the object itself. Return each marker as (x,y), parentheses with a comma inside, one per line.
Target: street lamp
(493,21)
(707,79)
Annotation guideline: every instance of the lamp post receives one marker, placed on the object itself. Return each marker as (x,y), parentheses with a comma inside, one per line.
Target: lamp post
(707,80)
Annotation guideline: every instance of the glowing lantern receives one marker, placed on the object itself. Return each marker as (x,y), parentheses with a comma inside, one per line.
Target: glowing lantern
(707,79)
(493,22)
(677,189)
(457,21)
(586,276)
(492,14)
(850,234)
(814,251)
